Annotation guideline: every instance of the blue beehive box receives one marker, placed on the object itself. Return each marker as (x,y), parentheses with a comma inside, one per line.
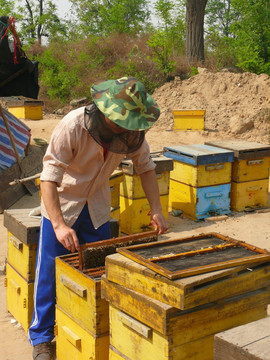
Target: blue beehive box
(200,182)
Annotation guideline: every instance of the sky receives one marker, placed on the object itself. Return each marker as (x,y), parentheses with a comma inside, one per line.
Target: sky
(63,7)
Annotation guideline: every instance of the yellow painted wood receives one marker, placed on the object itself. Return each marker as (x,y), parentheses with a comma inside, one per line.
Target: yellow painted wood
(249,194)
(114,354)
(22,257)
(184,326)
(27,112)
(115,213)
(135,215)
(131,186)
(74,342)
(188,292)
(177,346)
(19,297)
(184,197)
(115,180)
(188,119)
(250,169)
(79,296)
(201,175)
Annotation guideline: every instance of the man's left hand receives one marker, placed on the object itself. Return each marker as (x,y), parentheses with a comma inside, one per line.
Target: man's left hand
(159,222)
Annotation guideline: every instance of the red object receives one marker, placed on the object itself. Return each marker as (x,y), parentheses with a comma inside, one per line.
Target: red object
(12,21)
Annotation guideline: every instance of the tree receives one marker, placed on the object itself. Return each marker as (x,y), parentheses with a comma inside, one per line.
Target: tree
(38,19)
(195,10)
(103,17)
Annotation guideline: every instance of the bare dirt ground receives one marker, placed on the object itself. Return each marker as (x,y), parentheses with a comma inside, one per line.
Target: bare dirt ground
(237,106)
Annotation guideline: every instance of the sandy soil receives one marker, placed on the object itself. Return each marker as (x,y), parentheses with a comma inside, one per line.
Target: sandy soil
(252,228)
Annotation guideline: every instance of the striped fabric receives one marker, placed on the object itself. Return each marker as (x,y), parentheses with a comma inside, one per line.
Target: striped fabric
(21,135)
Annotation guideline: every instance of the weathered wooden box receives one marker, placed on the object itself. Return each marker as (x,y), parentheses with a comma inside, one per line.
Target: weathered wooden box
(200,181)
(78,278)
(250,173)
(188,119)
(143,328)
(26,109)
(19,297)
(246,342)
(115,180)
(135,215)
(73,341)
(188,272)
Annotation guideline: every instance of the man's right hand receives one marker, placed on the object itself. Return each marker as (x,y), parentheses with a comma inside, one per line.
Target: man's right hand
(67,237)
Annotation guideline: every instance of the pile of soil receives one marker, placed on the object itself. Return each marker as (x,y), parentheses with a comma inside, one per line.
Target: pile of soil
(236,104)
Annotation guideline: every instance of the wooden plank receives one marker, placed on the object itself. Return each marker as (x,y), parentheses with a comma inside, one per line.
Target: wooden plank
(246,342)
(26,229)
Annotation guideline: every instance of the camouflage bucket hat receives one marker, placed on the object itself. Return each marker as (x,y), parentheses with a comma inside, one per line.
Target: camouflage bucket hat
(125,102)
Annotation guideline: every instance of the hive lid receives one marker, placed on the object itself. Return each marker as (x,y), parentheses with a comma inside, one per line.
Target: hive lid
(194,255)
(198,154)
(243,149)
(162,164)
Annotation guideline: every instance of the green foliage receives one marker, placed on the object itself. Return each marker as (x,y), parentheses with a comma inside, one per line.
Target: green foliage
(194,71)
(103,17)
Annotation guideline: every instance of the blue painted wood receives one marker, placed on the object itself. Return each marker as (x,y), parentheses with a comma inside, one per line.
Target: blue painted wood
(213,200)
(199,154)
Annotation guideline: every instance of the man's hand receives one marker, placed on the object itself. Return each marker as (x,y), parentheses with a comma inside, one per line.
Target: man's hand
(67,237)
(159,222)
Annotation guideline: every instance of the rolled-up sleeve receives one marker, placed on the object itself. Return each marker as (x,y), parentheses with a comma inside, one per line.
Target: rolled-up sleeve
(142,160)
(60,152)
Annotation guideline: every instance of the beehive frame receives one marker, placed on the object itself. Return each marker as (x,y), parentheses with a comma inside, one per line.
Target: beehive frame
(227,244)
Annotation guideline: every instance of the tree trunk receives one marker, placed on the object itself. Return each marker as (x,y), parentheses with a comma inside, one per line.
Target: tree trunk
(195,10)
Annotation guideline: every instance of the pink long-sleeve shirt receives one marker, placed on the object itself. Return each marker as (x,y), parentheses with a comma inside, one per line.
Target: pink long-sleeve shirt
(75,161)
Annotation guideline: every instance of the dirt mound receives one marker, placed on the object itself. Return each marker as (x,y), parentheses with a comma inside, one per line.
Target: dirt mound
(235,103)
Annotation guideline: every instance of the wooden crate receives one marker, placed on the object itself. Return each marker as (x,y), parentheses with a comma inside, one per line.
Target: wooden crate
(201,175)
(246,342)
(19,297)
(188,119)
(190,334)
(249,194)
(22,226)
(135,214)
(199,203)
(251,159)
(22,257)
(78,278)
(73,341)
(26,109)
(114,354)
(186,293)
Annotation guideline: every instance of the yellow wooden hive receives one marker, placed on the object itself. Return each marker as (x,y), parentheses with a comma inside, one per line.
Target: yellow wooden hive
(143,328)
(250,173)
(188,119)
(135,214)
(22,240)
(26,109)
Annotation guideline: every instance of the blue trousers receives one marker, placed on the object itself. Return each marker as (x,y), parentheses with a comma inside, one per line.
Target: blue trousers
(42,325)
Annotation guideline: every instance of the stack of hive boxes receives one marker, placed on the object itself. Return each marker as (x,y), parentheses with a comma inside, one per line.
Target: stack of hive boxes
(154,317)
(135,215)
(200,182)
(250,173)
(26,108)
(23,232)
(82,316)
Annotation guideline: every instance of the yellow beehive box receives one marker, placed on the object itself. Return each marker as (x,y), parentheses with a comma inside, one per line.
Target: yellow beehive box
(73,341)
(22,257)
(115,180)
(248,170)
(131,186)
(114,354)
(249,194)
(202,175)
(78,294)
(19,297)
(135,214)
(251,159)
(188,335)
(115,213)
(188,292)
(26,109)
(188,119)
